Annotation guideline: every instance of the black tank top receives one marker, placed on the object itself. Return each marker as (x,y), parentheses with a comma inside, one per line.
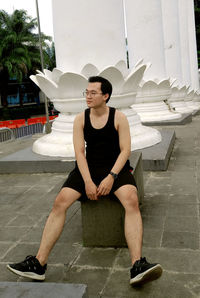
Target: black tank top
(102,145)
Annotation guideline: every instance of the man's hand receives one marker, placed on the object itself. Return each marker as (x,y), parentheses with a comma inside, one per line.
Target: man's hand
(91,190)
(105,186)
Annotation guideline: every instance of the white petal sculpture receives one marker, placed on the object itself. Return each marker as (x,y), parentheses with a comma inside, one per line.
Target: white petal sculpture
(121,65)
(65,91)
(189,102)
(196,99)
(193,101)
(71,85)
(177,100)
(115,77)
(89,69)
(151,101)
(48,86)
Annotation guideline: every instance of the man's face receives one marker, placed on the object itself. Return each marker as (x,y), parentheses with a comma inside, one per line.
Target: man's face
(94,96)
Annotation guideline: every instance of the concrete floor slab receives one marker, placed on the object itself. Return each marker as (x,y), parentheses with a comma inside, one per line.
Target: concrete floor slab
(171,226)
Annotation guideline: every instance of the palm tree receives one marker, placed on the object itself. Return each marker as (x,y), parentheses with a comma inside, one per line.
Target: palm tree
(19,54)
(49,56)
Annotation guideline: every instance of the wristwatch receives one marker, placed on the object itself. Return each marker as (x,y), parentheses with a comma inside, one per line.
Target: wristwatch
(114,175)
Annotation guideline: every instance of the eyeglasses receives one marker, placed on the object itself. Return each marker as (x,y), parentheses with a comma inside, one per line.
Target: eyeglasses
(91,93)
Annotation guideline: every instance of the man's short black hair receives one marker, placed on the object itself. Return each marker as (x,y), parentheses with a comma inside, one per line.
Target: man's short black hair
(106,86)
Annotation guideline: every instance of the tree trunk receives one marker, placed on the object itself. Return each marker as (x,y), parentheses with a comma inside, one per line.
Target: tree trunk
(4,87)
(4,101)
(21,96)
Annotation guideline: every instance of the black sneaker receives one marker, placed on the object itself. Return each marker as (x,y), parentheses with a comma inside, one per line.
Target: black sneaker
(142,272)
(30,268)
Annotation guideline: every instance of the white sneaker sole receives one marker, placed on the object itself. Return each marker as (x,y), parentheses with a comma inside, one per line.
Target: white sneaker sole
(30,275)
(149,275)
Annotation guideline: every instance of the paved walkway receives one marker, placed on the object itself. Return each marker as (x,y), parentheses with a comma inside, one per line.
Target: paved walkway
(171,228)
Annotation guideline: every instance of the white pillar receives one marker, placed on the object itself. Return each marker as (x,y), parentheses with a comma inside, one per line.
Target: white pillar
(184,42)
(172,39)
(89,31)
(192,47)
(145,35)
(145,40)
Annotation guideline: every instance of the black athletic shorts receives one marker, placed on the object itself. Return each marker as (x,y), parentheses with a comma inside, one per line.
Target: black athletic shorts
(76,182)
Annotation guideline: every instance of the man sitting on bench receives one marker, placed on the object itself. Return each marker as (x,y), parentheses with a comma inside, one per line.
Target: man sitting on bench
(104,169)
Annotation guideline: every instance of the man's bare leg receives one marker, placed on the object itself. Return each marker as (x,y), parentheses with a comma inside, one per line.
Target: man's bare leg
(127,195)
(55,222)
(142,271)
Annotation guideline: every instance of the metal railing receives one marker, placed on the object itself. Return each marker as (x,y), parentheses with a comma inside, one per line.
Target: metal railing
(6,134)
(9,134)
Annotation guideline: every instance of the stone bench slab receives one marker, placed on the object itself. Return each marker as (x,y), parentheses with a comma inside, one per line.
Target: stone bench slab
(42,290)
(103,220)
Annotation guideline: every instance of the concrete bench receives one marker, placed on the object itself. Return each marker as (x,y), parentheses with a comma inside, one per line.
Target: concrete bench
(103,220)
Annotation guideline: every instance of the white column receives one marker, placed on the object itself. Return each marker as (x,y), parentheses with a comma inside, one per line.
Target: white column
(184,42)
(145,35)
(89,31)
(193,47)
(145,40)
(172,39)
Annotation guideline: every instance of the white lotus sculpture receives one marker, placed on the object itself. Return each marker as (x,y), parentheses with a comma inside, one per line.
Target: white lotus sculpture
(196,99)
(65,91)
(191,104)
(151,101)
(177,100)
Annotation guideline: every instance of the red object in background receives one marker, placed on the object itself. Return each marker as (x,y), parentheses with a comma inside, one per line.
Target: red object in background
(13,123)
(2,124)
(52,117)
(43,120)
(8,123)
(20,122)
(34,120)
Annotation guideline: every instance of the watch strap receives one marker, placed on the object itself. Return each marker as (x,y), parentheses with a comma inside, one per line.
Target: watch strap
(114,175)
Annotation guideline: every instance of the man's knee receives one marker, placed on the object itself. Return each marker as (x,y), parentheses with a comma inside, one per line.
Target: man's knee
(131,201)
(61,202)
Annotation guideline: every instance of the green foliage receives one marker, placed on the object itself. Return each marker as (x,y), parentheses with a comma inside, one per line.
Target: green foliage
(50,57)
(19,47)
(19,53)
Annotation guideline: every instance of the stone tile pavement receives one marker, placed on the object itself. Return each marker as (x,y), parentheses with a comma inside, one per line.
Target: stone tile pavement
(171,228)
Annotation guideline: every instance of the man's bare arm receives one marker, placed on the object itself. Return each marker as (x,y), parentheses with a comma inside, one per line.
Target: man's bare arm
(124,141)
(79,148)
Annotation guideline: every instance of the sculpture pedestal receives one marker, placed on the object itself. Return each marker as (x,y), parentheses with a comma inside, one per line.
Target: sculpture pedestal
(181,107)
(60,141)
(192,106)
(155,111)
(141,136)
(150,103)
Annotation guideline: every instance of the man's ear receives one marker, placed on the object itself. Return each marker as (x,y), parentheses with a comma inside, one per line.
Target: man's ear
(106,96)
